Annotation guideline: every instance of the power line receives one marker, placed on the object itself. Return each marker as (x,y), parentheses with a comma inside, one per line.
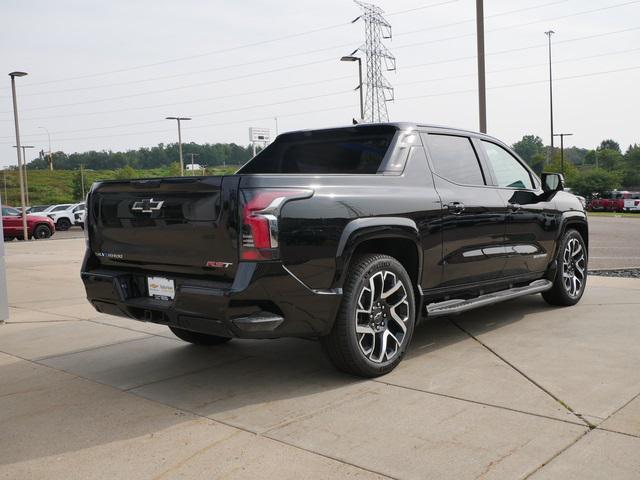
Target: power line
(225,50)
(413,97)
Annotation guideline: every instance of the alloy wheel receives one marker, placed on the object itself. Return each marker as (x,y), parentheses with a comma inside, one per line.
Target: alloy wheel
(574,266)
(381,316)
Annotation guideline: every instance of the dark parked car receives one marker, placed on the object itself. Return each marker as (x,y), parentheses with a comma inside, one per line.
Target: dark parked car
(350,235)
(37,208)
(37,227)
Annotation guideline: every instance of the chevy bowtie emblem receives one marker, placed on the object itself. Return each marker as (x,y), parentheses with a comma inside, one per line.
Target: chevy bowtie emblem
(148,205)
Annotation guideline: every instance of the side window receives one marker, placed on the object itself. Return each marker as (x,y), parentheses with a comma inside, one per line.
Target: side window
(508,170)
(455,159)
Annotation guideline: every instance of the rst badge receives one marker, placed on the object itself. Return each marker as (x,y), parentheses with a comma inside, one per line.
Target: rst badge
(213,264)
(147,205)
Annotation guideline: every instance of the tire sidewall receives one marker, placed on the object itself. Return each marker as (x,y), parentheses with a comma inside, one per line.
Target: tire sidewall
(63,224)
(39,228)
(348,309)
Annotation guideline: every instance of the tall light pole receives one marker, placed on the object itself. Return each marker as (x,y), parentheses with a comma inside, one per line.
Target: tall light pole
(179,119)
(562,135)
(13,75)
(24,164)
(548,34)
(49,135)
(482,88)
(351,58)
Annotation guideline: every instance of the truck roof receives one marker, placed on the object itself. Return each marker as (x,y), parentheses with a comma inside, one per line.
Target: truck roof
(402,126)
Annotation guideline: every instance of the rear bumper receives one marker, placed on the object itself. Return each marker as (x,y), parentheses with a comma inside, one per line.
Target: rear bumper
(264,301)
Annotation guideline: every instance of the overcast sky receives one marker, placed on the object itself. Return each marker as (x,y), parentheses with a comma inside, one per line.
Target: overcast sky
(103,75)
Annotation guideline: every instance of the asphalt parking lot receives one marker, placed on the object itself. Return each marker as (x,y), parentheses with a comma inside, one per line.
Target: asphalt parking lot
(518,390)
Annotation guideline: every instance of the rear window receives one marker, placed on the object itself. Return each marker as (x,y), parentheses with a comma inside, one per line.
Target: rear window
(341,151)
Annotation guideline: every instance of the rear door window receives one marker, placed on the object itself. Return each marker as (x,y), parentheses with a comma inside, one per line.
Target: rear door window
(454,158)
(358,150)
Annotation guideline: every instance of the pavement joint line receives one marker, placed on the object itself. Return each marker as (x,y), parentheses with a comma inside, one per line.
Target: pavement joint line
(602,429)
(184,374)
(507,362)
(209,419)
(484,404)
(98,322)
(88,349)
(558,453)
(9,322)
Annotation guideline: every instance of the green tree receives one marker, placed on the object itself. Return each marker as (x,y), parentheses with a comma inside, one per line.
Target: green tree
(529,147)
(125,173)
(595,181)
(610,144)
(570,170)
(609,159)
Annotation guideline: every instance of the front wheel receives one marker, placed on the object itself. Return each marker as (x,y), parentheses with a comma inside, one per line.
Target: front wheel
(63,224)
(376,318)
(198,338)
(571,276)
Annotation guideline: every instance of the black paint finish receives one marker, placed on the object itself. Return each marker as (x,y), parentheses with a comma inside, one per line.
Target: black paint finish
(452,239)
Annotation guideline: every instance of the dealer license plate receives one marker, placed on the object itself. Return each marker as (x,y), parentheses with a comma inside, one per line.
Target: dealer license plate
(162,288)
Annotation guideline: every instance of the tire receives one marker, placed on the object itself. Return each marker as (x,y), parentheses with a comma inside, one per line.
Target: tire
(571,276)
(41,232)
(8,239)
(373,304)
(63,224)
(198,338)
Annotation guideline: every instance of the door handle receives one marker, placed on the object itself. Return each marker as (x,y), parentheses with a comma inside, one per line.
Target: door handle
(456,208)
(515,207)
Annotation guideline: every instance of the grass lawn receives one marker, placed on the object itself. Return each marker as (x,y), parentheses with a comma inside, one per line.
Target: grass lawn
(614,214)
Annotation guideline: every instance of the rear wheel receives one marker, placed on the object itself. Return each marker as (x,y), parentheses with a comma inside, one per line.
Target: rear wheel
(571,277)
(198,338)
(376,318)
(42,231)
(8,239)
(63,224)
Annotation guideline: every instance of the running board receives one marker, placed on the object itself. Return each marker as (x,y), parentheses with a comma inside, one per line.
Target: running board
(452,307)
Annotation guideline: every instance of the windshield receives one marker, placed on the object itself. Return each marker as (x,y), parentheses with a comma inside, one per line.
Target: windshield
(59,208)
(341,151)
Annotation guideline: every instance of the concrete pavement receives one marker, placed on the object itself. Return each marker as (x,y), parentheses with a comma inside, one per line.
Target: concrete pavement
(518,390)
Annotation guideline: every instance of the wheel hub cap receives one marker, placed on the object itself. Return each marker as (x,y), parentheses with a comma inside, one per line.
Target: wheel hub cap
(574,266)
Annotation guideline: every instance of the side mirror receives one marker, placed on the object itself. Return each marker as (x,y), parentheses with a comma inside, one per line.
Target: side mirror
(552,182)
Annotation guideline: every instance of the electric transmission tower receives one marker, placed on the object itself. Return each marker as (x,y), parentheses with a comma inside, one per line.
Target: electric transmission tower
(378,59)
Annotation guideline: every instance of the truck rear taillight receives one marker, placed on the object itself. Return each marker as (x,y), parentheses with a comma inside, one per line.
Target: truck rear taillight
(260,212)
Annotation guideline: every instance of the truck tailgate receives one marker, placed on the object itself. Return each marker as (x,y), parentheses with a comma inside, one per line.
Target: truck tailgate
(182,225)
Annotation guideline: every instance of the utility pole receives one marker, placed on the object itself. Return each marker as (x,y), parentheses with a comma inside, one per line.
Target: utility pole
(50,159)
(548,34)
(276,119)
(378,59)
(82,182)
(179,119)
(13,75)
(482,88)
(192,164)
(24,164)
(351,58)
(4,177)
(562,135)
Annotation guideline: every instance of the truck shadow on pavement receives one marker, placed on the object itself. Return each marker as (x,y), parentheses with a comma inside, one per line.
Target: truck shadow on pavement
(256,386)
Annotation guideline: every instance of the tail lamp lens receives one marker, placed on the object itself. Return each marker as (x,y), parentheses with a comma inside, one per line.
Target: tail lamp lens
(260,213)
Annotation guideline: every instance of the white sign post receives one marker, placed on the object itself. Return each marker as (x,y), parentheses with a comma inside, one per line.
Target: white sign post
(4,304)
(259,135)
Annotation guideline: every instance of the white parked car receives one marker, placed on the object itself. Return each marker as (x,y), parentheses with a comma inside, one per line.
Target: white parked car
(632,204)
(63,215)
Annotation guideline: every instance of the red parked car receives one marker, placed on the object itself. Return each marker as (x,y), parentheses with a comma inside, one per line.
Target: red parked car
(37,227)
(613,202)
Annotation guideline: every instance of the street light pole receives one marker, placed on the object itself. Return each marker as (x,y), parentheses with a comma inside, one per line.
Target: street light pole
(192,164)
(13,75)
(179,119)
(351,58)
(24,164)
(548,34)
(562,135)
(50,160)
(482,90)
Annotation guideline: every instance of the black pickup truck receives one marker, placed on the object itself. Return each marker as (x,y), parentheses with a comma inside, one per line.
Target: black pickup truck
(351,235)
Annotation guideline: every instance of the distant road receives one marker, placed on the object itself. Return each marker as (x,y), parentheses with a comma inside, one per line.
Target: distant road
(614,242)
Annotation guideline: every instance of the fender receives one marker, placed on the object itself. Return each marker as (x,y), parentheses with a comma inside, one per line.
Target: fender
(568,219)
(363,229)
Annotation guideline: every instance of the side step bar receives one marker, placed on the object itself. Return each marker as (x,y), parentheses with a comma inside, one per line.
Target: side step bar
(452,307)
